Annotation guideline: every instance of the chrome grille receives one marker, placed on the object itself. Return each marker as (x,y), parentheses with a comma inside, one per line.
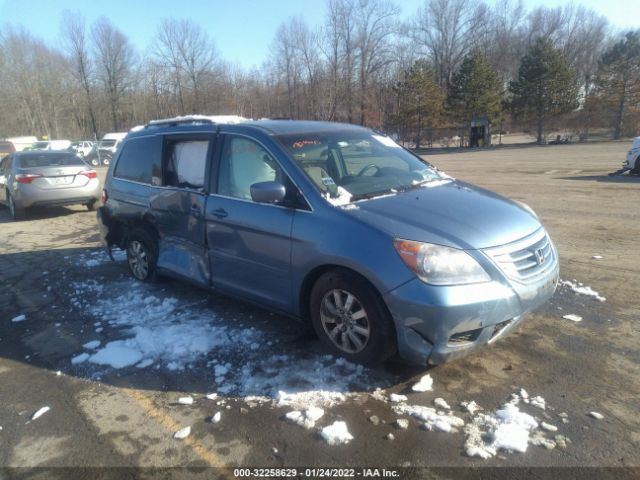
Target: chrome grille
(527,259)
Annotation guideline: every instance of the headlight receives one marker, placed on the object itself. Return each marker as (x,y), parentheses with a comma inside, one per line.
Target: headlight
(438,265)
(526,207)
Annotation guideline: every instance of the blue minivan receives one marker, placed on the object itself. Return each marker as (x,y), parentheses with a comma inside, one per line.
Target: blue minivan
(331,224)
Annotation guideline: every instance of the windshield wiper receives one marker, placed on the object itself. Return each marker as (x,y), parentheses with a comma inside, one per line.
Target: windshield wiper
(364,196)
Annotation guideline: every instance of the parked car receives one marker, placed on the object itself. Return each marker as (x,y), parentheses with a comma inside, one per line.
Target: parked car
(108,146)
(6,148)
(29,179)
(82,147)
(22,143)
(633,157)
(93,157)
(51,145)
(331,224)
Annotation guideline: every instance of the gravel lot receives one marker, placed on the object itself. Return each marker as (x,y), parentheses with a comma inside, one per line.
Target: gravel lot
(53,272)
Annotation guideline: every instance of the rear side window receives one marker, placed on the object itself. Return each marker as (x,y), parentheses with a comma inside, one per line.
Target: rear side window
(34,160)
(186,162)
(137,159)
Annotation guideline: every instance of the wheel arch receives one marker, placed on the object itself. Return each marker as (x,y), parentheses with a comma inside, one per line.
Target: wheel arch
(310,279)
(123,228)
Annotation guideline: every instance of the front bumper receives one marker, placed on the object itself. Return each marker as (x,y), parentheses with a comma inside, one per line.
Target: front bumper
(437,324)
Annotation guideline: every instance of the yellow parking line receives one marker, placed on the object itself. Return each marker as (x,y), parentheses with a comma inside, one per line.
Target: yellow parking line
(169,424)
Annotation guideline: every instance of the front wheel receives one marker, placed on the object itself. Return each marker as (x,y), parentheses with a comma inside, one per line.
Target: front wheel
(351,319)
(142,255)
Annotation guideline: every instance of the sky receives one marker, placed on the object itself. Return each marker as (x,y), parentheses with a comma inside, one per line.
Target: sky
(241,29)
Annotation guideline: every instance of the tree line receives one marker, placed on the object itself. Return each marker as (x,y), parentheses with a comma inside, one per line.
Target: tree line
(444,64)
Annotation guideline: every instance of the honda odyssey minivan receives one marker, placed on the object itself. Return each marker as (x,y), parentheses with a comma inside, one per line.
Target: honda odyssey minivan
(332,224)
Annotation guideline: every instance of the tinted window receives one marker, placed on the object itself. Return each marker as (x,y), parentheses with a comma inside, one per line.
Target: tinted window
(243,163)
(107,143)
(35,160)
(6,147)
(136,159)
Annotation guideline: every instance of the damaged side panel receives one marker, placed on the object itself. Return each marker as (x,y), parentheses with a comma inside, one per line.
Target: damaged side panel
(180,223)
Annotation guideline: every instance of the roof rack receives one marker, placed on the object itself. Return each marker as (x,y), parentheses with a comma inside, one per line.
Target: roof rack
(196,119)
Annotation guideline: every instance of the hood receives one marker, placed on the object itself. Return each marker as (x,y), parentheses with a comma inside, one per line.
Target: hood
(455,214)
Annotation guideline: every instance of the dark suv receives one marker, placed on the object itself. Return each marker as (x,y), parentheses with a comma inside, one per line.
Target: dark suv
(329,223)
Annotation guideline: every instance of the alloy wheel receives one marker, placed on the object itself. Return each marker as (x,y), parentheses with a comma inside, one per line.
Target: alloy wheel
(345,321)
(138,261)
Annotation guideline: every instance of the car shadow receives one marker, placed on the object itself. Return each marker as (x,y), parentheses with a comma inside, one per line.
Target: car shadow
(39,213)
(622,178)
(168,335)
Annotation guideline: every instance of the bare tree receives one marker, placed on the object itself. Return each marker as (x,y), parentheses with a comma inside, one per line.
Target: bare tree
(374,30)
(446,30)
(114,57)
(188,51)
(74,34)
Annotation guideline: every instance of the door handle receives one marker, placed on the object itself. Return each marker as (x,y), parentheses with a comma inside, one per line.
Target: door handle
(220,213)
(195,210)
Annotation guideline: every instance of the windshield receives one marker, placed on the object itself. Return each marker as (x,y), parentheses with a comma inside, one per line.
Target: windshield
(39,145)
(34,160)
(107,143)
(347,165)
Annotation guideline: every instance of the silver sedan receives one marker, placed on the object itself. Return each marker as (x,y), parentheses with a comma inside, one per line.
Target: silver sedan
(29,179)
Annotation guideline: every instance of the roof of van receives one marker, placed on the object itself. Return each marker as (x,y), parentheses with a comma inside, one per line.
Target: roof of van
(268,126)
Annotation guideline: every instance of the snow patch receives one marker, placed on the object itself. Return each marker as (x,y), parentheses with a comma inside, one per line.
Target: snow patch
(581,289)
(424,384)
(83,357)
(306,418)
(431,418)
(572,317)
(336,433)
(168,333)
(40,412)
(343,197)
(396,398)
(92,345)
(182,433)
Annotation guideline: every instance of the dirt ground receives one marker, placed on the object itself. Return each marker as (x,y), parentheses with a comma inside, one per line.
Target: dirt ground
(102,417)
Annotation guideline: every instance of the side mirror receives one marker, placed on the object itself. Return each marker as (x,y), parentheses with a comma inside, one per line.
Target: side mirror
(268,192)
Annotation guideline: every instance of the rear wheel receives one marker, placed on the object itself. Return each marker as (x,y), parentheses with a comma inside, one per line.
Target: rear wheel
(17,213)
(91,206)
(351,319)
(142,255)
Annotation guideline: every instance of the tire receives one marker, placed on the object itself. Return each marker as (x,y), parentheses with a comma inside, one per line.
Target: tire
(17,213)
(91,206)
(636,170)
(142,255)
(351,319)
